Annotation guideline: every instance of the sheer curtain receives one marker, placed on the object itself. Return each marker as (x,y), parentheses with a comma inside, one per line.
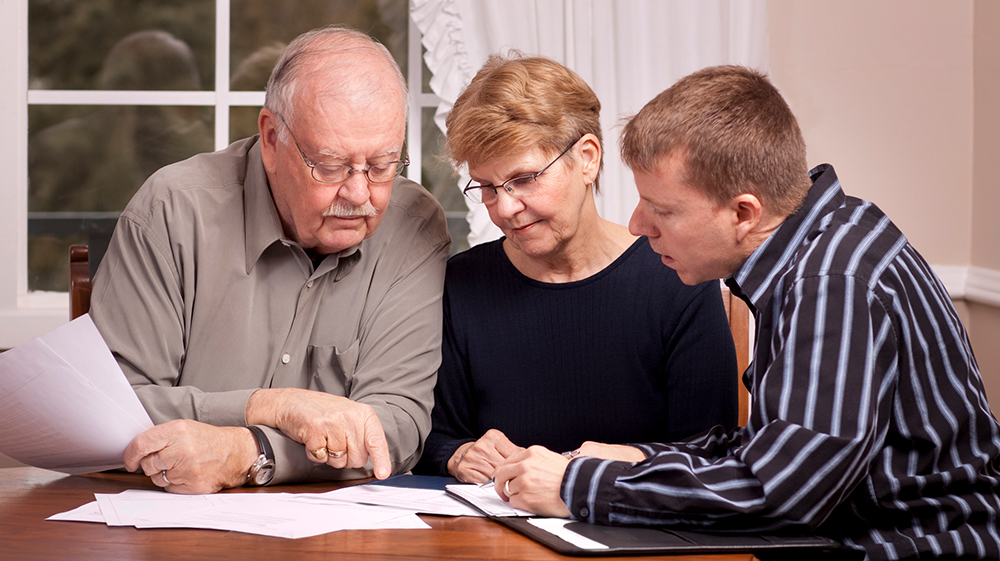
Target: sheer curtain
(627,50)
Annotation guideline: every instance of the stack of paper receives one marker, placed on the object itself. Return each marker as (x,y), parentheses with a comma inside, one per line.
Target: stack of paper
(283,515)
(65,404)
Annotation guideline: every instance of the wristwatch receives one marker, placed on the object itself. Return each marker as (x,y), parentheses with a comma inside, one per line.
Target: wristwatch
(262,470)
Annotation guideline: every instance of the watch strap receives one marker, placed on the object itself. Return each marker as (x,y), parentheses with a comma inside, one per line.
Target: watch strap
(262,470)
(263,445)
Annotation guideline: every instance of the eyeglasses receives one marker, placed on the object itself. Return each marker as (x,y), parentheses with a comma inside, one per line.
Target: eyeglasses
(338,173)
(515,186)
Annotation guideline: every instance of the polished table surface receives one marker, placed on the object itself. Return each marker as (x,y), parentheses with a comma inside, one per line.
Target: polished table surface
(29,495)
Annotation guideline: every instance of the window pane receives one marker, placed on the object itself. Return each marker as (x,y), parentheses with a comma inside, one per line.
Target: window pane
(243,122)
(261,28)
(116,45)
(437,176)
(86,162)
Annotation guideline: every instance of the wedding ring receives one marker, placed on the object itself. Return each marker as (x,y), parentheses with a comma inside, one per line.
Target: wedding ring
(163,474)
(506,488)
(334,454)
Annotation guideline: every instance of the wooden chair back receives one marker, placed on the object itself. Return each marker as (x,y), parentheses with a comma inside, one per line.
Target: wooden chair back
(79,280)
(739,325)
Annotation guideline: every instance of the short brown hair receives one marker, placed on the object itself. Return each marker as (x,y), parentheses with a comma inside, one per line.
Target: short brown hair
(735,133)
(515,103)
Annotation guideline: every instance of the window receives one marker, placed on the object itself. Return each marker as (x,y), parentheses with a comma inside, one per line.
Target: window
(108,91)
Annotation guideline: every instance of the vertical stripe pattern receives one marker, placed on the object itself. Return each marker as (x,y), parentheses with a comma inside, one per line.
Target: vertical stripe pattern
(869,424)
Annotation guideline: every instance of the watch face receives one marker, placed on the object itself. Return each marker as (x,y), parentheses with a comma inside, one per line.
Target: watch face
(265,474)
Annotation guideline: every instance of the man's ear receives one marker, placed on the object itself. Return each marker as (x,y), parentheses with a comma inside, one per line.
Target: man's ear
(267,126)
(748,212)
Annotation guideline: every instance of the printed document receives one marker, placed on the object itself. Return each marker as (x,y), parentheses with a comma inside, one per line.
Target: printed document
(65,404)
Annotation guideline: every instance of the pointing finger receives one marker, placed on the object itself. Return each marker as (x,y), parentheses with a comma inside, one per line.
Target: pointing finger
(377,447)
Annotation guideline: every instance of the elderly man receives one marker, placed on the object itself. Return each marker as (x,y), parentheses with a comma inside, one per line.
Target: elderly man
(869,423)
(289,284)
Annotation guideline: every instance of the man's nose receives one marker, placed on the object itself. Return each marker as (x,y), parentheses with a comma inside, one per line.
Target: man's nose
(355,189)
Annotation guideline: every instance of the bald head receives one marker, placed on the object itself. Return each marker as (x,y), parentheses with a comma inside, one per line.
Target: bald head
(335,64)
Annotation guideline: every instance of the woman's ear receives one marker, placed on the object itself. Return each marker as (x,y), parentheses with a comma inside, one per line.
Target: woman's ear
(590,155)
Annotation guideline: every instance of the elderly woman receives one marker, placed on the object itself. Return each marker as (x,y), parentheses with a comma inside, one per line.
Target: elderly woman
(551,334)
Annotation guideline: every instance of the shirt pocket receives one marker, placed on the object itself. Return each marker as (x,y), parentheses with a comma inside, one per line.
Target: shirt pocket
(332,370)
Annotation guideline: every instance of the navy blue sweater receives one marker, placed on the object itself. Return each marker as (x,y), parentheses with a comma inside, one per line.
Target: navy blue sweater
(630,354)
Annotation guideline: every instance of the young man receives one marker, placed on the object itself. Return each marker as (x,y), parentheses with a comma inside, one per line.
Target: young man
(869,424)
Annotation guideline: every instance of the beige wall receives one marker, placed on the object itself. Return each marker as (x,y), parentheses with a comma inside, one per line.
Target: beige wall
(883,91)
(986,135)
(903,98)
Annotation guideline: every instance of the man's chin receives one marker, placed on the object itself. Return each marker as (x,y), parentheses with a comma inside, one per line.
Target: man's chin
(339,242)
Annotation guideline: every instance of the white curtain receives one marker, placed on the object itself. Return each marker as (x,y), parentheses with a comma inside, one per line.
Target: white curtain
(627,50)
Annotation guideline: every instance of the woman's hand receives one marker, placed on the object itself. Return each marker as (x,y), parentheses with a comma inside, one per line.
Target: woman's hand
(475,462)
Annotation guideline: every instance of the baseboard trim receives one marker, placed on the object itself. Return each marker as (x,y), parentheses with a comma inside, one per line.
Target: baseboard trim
(973,284)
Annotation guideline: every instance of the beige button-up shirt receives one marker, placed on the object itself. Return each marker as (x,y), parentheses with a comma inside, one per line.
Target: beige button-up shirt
(203,299)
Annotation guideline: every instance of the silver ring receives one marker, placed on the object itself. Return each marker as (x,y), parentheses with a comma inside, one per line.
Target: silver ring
(163,474)
(506,488)
(334,454)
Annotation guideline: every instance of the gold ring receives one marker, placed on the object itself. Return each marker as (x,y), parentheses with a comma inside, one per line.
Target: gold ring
(506,488)
(318,453)
(334,454)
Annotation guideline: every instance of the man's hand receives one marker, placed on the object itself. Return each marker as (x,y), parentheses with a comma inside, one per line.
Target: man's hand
(531,480)
(475,462)
(335,430)
(617,452)
(189,457)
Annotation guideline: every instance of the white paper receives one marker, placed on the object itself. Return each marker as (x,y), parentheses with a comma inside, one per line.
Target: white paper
(485,498)
(89,512)
(557,527)
(284,515)
(150,509)
(426,501)
(65,404)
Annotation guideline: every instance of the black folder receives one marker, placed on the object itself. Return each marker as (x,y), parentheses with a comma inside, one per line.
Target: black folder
(631,540)
(627,540)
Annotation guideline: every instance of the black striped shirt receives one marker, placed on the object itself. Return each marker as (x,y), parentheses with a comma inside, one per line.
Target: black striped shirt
(869,423)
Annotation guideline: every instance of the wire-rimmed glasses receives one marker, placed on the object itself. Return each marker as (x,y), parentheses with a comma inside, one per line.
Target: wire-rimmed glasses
(515,186)
(384,172)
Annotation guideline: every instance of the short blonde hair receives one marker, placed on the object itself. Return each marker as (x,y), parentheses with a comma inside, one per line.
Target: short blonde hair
(735,133)
(515,103)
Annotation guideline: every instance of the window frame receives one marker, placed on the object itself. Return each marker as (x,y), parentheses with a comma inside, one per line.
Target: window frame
(26,314)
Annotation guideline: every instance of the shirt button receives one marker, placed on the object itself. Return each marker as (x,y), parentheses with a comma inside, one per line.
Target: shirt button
(584,512)
(285,358)
(309,284)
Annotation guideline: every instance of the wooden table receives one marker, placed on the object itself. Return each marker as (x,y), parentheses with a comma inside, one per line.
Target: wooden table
(29,495)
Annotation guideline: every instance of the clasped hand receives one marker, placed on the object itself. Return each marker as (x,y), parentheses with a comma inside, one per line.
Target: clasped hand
(475,462)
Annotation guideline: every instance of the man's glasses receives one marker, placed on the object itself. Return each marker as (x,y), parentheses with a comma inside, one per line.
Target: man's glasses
(515,186)
(338,173)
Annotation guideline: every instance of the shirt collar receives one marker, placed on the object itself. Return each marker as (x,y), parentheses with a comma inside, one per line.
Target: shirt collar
(261,223)
(755,279)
